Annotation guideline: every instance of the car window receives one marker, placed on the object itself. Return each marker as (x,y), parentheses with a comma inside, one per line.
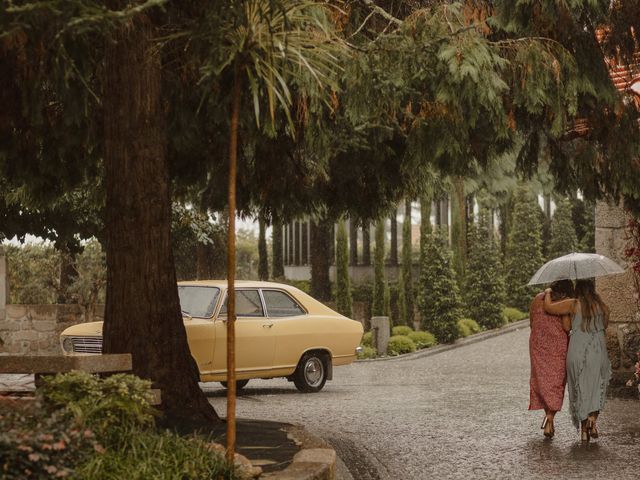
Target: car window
(279,304)
(198,301)
(248,304)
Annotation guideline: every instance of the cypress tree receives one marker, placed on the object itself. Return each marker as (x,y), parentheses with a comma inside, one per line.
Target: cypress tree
(343,284)
(458,227)
(563,233)
(524,249)
(484,293)
(405,285)
(378,307)
(276,246)
(439,303)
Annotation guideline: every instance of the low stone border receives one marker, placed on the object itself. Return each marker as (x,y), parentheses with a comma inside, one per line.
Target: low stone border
(315,461)
(477,337)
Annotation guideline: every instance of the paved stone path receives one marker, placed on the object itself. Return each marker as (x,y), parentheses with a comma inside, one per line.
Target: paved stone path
(459,414)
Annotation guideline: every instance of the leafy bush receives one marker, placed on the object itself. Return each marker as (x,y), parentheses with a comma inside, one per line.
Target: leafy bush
(367,339)
(399,344)
(120,400)
(36,444)
(422,339)
(513,314)
(367,352)
(401,330)
(467,326)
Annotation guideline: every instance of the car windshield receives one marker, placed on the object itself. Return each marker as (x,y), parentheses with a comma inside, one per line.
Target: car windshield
(198,301)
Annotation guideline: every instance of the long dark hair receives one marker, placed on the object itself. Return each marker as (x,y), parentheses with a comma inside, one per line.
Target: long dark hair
(561,289)
(590,302)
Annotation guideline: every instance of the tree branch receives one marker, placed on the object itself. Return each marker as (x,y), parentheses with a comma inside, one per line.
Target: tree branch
(382,12)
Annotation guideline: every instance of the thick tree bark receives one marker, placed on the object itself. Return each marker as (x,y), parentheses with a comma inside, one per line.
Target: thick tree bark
(321,259)
(276,239)
(142,314)
(263,260)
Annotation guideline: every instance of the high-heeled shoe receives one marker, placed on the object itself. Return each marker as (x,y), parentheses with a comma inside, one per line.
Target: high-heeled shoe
(591,427)
(547,426)
(585,434)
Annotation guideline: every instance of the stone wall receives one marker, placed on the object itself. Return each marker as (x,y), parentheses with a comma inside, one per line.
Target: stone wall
(618,292)
(35,329)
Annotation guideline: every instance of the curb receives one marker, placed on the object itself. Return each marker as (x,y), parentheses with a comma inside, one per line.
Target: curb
(315,461)
(461,342)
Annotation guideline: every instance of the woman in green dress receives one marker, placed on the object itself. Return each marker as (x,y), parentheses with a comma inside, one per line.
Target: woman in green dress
(588,366)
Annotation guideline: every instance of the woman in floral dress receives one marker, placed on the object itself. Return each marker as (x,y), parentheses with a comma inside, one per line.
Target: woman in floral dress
(548,351)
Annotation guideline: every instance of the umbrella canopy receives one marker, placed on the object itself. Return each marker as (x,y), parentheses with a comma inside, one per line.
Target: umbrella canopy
(575,266)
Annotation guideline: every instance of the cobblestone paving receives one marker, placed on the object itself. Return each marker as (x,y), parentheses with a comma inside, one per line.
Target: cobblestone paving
(459,414)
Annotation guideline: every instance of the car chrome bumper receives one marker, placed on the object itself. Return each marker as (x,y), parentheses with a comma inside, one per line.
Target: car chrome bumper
(358,350)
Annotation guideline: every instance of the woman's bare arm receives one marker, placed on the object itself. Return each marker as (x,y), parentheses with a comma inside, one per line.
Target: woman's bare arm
(563,307)
(566,323)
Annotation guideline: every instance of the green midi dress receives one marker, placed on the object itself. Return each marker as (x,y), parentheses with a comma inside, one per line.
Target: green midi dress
(588,368)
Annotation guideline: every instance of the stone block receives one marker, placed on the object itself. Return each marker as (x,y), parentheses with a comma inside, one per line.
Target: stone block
(16,311)
(43,312)
(613,347)
(25,335)
(70,314)
(610,215)
(44,326)
(380,334)
(618,292)
(612,243)
(59,363)
(10,325)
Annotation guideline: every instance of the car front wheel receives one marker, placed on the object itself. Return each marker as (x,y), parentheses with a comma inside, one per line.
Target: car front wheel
(311,373)
(240,384)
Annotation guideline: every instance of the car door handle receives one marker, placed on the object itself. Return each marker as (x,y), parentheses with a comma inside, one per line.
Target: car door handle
(267,325)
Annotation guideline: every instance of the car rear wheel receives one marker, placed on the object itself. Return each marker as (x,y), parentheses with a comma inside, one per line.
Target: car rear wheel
(240,384)
(311,373)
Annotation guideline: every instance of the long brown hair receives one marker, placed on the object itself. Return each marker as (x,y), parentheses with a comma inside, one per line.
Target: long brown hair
(590,302)
(561,289)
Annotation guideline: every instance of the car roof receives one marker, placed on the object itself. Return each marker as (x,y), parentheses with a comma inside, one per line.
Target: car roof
(239,283)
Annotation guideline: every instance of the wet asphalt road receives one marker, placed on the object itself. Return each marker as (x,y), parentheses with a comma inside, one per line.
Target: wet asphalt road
(458,414)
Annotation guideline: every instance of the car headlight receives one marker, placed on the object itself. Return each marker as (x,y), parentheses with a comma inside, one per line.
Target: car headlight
(67,344)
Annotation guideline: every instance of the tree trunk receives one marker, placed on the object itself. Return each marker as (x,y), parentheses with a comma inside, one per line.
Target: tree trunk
(321,259)
(263,260)
(393,249)
(142,314)
(278,260)
(353,241)
(366,243)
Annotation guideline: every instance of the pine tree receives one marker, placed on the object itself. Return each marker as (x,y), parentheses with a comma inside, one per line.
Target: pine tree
(484,293)
(343,283)
(524,249)
(439,296)
(405,285)
(563,233)
(378,307)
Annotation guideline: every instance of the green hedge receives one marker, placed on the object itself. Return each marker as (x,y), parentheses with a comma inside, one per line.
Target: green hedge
(367,339)
(468,326)
(399,344)
(423,339)
(513,314)
(401,330)
(367,352)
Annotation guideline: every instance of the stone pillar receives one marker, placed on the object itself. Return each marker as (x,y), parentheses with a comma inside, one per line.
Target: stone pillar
(380,333)
(618,292)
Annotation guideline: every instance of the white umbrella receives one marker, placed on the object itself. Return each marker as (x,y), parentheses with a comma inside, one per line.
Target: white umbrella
(575,266)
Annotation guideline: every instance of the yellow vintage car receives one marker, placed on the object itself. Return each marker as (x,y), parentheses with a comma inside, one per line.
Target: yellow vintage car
(280,332)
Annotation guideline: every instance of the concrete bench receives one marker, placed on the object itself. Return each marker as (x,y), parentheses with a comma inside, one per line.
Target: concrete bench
(43,365)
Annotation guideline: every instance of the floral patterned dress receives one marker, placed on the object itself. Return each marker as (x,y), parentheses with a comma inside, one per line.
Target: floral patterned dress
(548,344)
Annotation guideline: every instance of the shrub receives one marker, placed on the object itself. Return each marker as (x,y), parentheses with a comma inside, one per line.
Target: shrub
(439,303)
(367,339)
(401,330)
(367,352)
(513,314)
(422,339)
(399,344)
(484,284)
(467,326)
